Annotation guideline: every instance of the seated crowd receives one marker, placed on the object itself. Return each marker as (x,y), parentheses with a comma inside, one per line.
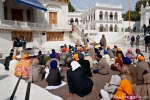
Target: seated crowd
(84,61)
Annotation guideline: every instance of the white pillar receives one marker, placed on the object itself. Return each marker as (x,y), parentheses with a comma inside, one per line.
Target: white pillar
(108,16)
(1,10)
(96,15)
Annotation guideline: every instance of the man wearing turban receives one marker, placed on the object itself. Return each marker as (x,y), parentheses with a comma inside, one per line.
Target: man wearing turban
(141,66)
(85,64)
(54,77)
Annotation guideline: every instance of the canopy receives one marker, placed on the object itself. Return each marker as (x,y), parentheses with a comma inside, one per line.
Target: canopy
(32,3)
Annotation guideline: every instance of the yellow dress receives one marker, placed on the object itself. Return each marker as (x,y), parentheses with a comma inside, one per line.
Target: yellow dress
(22,68)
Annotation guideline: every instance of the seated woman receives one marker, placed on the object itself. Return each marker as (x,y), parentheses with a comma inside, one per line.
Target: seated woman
(119,51)
(22,68)
(143,89)
(110,88)
(138,52)
(35,74)
(130,55)
(54,77)
(118,64)
(124,91)
(78,82)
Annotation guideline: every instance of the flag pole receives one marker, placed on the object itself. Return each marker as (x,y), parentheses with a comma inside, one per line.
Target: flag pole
(129,11)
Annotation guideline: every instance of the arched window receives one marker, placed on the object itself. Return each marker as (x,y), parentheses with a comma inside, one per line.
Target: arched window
(111,28)
(106,28)
(101,15)
(101,28)
(116,16)
(77,21)
(71,21)
(111,16)
(115,28)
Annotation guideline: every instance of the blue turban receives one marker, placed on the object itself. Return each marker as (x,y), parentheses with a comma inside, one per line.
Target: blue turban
(126,60)
(81,56)
(105,52)
(52,55)
(96,50)
(53,64)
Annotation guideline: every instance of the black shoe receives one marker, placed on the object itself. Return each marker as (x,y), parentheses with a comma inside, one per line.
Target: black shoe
(6,68)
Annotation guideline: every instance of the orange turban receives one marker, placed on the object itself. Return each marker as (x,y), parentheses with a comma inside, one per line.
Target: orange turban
(141,58)
(108,47)
(86,47)
(14,57)
(26,55)
(76,57)
(118,49)
(67,49)
(78,48)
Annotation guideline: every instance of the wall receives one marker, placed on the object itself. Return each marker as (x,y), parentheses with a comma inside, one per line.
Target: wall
(132,24)
(111,37)
(5,40)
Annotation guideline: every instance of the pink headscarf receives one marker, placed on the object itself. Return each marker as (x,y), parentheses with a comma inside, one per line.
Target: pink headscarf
(130,50)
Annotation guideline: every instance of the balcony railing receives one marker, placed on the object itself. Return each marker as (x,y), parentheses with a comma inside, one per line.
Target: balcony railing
(28,25)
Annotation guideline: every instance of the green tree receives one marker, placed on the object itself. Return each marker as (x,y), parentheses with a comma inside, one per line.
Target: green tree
(70,7)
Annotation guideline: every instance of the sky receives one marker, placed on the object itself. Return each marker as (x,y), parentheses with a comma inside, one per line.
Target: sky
(83,4)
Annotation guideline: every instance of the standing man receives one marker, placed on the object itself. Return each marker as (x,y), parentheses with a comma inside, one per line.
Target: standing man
(15,45)
(147,42)
(137,40)
(132,40)
(103,41)
(145,29)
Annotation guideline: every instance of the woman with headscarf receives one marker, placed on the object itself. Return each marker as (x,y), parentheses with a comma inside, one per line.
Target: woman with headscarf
(54,77)
(106,56)
(110,88)
(143,89)
(22,68)
(35,74)
(46,58)
(78,82)
(119,51)
(63,57)
(115,50)
(124,91)
(141,67)
(110,52)
(118,64)
(133,72)
(12,64)
(130,55)
(69,57)
(85,64)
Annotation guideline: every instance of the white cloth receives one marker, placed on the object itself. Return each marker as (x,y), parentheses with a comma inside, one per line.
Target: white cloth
(104,94)
(115,80)
(12,65)
(107,58)
(75,65)
(56,87)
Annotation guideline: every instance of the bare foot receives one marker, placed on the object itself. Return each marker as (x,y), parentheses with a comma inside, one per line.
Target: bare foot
(70,95)
(93,88)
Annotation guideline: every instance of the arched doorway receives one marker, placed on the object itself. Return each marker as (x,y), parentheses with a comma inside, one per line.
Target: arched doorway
(77,21)
(116,28)
(71,21)
(106,28)
(101,28)
(116,16)
(111,28)
(111,16)
(106,15)
(101,15)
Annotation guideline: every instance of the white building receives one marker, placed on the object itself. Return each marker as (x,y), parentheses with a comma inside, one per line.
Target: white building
(40,28)
(101,17)
(145,14)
